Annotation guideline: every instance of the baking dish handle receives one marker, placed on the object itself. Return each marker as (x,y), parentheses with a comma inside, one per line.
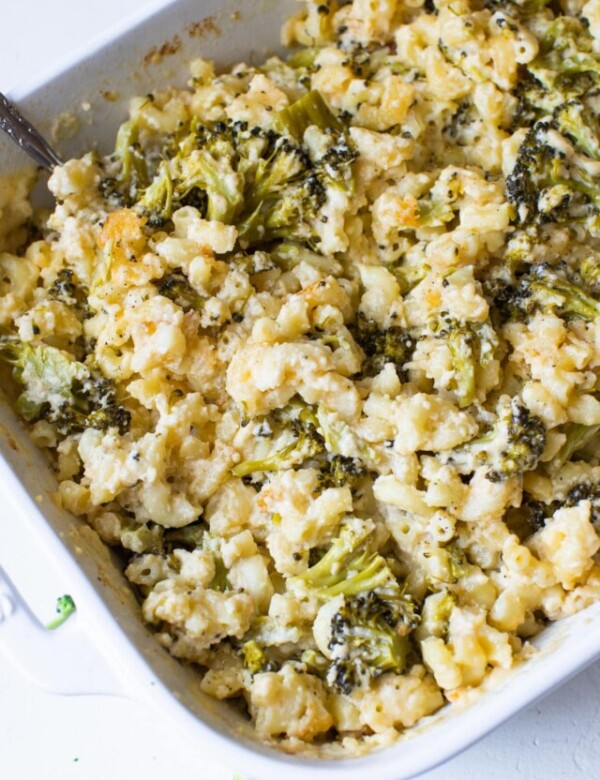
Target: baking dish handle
(65,660)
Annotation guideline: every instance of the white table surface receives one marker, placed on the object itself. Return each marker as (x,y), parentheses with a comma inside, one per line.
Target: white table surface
(45,737)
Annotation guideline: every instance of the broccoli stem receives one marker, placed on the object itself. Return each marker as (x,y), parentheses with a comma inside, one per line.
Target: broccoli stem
(309,110)
(578,437)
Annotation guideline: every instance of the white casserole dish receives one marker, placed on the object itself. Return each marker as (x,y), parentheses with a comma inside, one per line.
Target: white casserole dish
(105,648)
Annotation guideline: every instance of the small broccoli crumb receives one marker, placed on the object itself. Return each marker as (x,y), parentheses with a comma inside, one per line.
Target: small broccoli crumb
(65,606)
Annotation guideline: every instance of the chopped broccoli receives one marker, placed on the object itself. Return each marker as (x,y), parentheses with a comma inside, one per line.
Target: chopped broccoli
(211,169)
(566,51)
(364,643)
(254,657)
(177,288)
(220,580)
(340,470)
(263,181)
(457,561)
(300,422)
(575,120)
(510,448)
(578,437)
(66,290)
(157,198)
(303,58)
(394,345)
(65,606)
(462,119)
(543,289)
(315,662)
(283,195)
(471,344)
(547,183)
(367,631)
(528,518)
(61,390)
(311,109)
(351,567)
(133,176)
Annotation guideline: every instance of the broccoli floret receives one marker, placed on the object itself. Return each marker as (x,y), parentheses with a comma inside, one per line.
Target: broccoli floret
(211,168)
(309,110)
(548,184)
(525,435)
(543,289)
(364,643)
(263,181)
(66,290)
(299,421)
(394,345)
(528,518)
(531,516)
(471,344)
(340,470)
(351,567)
(536,168)
(548,290)
(578,437)
(65,606)
(283,165)
(283,195)
(286,190)
(566,51)
(96,407)
(333,168)
(289,217)
(367,633)
(61,390)
(511,447)
(157,199)
(177,288)
(575,120)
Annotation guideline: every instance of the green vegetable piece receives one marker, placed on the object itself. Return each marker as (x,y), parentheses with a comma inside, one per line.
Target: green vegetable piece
(511,447)
(176,287)
(157,199)
(134,171)
(60,389)
(578,437)
(255,659)
(220,581)
(309,110)
(364,643)
(65,606)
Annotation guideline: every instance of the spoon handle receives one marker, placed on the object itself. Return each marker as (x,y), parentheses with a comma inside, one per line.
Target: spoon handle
(26,136)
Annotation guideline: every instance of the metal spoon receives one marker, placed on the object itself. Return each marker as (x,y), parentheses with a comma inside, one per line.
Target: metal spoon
(26,136)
